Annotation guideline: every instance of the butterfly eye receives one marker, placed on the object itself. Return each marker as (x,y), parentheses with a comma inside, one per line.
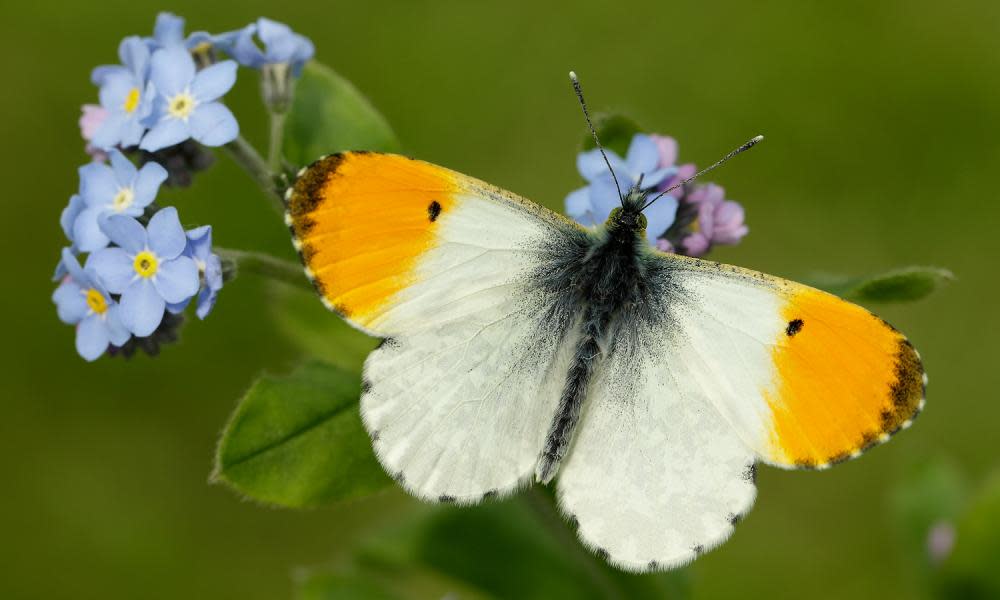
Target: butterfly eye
(642,221)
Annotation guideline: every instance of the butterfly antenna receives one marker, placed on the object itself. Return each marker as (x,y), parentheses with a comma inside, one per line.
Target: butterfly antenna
(586,115)
(750,144)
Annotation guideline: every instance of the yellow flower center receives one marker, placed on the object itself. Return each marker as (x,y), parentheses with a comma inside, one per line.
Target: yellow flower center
(96,302)
(132,100)
(123,199)
(145,264)
(181,105)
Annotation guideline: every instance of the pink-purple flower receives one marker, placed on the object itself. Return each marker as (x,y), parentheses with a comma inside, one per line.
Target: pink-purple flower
(719,221)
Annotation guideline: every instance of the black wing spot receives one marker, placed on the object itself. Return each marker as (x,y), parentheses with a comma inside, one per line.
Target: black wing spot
(444,498)
(490,494)
(433,211)
(602,554)
(794,326)
(652,566)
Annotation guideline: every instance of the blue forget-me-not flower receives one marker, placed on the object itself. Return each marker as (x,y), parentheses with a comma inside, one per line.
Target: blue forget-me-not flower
(199,249)
(83,301)
(147,268)
(281,45)
(186,104)
(591,205)
(125,95)
(107,190)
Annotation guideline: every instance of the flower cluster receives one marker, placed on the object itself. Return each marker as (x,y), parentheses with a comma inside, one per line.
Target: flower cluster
(158,111)
(689,220)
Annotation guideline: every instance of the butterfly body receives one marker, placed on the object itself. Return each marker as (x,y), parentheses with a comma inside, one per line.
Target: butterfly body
(520,345)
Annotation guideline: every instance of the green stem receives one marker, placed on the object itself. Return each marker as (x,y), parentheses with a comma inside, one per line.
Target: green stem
(275,158)
(544,507)
(247,157)
(265,265)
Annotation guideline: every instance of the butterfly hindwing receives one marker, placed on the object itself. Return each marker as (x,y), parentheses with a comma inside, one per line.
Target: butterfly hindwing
(460,394)
(724,367)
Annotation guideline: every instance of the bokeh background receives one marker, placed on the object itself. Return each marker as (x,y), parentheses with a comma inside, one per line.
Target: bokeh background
(882,128)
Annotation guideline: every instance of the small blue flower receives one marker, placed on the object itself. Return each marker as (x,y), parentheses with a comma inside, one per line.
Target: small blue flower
(148,268)
(185,105)
(108,190)
(66,221)
(199,249)
(281,45)
(125,94)
(168,32)
(81,300)
(591,205)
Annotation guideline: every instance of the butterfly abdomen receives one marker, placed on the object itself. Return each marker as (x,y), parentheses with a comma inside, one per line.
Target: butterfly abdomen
(606,279)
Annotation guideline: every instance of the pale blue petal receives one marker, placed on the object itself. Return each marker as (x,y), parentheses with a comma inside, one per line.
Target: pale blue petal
(177,308)
(643,154)
(147,184)
(211,83)
(113,267)
(603,197)
(134,54)
(97,184)
(172,70)
(578,206)
(110,133)
(176,279)
(213,273)
(657,177)
(272,32)
(591,164)
(91,338)
(70,213)
(213,125)
(167,132)
(168,30)
(71,305)
(659,217)
(166,236)
(126,232)
(131,132)
(206,302)
(87,233)
(117,332)
(141,308)
(199,244)
(73,268)
(123,169)
(244,50)
(101,74)
(114,89)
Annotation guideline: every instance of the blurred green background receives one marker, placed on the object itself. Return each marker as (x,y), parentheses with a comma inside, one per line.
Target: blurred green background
(882,128)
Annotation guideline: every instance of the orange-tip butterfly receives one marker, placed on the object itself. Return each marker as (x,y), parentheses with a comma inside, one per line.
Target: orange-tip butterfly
(519,346)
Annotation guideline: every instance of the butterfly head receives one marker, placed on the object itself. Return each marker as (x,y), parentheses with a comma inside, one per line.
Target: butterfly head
(628,218)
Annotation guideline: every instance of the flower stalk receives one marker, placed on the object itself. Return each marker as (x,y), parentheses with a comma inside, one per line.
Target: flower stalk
(247,157)
(263,265)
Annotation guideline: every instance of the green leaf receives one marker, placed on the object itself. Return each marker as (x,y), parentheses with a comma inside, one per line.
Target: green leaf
(906,284)
(298,441)
(615,131)
(330,115)
(971,572)
(316,331)
(520,548)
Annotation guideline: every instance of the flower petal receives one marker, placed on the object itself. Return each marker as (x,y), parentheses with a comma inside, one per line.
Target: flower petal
(244,50)
(113,267)
(660,216)
(71,305)
(147,184)
(667,147)
(177,280)
(168,30)
(591,164)
(695,244)
(172,70)
(73,268)
(141,308)
(117,332)
(123,169)
(166,236)
(578,206)
(643,155)
(69,214)
(168,131)
(655,177)
(126,232)
(206,301)
(211,83)
(134,54)
(213,125)
(603,197)
(199,244)
(87,233)
(98,185)
(91,338)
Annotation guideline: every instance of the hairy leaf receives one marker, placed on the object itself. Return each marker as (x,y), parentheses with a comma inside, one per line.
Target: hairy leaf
(298,441)
(905,284)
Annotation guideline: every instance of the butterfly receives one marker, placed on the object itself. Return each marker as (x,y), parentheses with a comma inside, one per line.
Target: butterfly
(519,346)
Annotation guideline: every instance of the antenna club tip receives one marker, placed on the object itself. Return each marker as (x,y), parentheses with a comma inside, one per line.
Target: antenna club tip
(758,138)
(572,75)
